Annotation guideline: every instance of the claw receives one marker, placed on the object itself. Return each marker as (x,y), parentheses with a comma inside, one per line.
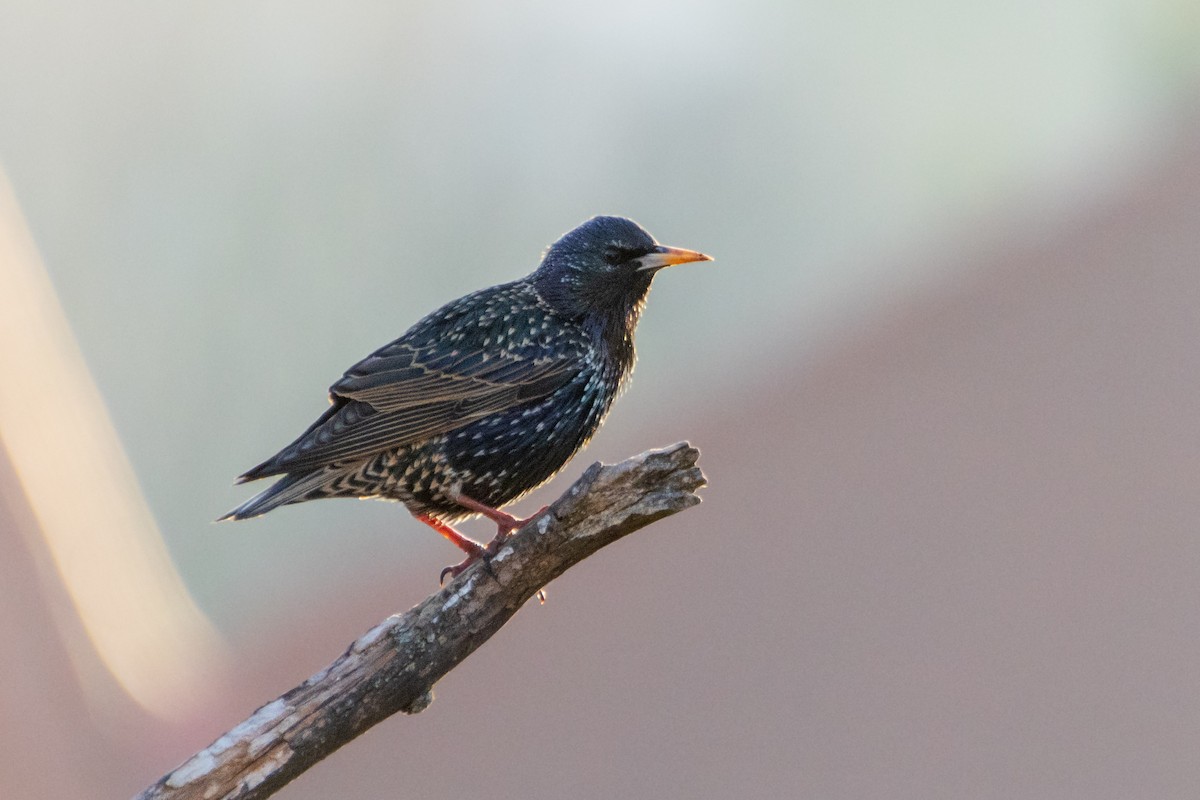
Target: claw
(505,525)
(454,570)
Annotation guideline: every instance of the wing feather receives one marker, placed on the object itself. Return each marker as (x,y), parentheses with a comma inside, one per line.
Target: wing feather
(401,395)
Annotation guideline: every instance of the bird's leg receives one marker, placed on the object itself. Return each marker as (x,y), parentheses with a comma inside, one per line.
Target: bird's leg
(472,548)
(505,523)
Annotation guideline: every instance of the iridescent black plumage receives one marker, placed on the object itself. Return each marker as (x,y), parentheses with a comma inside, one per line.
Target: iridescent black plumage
(487,397)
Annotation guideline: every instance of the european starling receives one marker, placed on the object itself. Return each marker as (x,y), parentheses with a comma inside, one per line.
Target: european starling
(486,398)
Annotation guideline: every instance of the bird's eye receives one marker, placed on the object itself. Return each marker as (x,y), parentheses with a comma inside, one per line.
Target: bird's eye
(615,254)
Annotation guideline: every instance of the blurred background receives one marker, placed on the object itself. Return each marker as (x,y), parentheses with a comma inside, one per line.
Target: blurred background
(944,374)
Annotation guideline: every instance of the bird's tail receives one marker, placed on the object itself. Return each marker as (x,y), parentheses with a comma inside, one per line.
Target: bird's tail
(295,487)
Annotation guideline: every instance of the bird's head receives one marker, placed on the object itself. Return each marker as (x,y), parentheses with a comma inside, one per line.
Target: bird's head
(604,267)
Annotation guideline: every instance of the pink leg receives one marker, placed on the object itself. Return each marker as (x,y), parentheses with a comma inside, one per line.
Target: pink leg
(505,523)
(472,548)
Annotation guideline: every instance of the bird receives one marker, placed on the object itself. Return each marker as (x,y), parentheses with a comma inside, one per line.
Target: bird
(486,398)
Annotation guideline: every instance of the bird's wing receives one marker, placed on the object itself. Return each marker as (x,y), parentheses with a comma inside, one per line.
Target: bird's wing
(402,394)
(401,376)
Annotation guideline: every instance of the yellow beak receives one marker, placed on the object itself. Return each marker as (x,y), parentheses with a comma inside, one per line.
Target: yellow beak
(663,256)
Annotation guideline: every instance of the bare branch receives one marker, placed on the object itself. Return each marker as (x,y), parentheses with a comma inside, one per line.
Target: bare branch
(395,665)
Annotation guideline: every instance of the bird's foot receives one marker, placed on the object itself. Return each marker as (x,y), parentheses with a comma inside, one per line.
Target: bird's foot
(454,570)
(505,531)
(505,524)
(483,554)
(474,550)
